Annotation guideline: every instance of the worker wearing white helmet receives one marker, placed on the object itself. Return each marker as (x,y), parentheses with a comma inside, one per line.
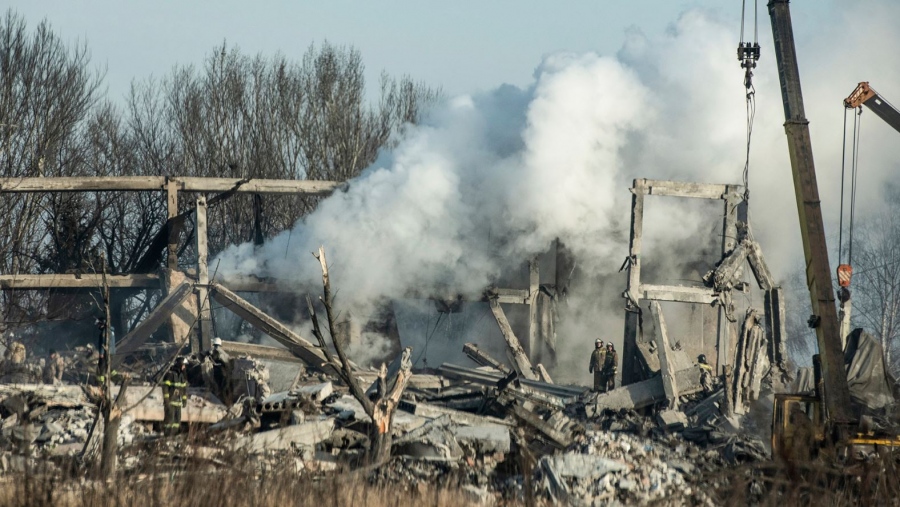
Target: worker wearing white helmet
(222,368)
(598,359)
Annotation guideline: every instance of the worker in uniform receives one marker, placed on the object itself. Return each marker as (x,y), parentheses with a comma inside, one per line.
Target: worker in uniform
(610,366)
(174,388)
(598,358)
(54,368)
(222,369)
(706,373)
(14,370)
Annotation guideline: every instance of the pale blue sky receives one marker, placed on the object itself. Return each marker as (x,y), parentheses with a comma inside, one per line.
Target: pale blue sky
(462,46)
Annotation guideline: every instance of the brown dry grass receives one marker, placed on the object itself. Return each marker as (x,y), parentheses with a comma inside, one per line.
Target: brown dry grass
(770,484)
(280,488)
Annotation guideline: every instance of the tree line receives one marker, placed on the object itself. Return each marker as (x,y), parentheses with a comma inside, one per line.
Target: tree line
(233,115)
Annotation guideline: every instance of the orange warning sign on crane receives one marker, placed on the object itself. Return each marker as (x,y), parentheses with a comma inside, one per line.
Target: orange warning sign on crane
(844,273)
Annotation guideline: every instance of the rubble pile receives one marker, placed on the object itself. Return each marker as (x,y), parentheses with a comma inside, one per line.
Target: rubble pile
(51,420)
(489,432)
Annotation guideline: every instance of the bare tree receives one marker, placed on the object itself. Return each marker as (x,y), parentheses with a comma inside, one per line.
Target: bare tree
(46,93)
(254,117)
(876,277)
(233,116)
(386,399)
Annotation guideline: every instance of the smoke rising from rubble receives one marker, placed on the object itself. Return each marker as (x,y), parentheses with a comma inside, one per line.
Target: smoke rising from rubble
(486,182)
(490,179)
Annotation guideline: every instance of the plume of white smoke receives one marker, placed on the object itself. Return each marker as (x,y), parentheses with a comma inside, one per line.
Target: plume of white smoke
(485,182)
(488,180)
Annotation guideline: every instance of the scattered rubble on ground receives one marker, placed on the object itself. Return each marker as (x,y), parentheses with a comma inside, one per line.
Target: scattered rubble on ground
(471,428)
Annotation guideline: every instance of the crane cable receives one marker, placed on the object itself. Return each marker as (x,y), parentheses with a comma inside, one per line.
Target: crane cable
(854,166)
(748,54)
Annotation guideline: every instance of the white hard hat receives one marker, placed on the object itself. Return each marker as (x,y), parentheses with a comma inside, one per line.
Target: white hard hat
(598,342)
(217,342)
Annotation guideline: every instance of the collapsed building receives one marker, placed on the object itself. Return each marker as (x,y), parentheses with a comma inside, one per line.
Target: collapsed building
(742,360)
(478,413)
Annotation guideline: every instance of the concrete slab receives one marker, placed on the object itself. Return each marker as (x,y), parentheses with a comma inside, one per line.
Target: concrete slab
(146,404)
(483,439)
(307,434)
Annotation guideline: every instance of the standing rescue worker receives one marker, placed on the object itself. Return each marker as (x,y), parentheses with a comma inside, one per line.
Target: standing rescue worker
(706,373)
(610,366)
(54,368)
(598,358)
(174,395)
(222,370)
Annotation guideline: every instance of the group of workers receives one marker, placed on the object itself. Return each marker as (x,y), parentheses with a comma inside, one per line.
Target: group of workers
(15,369)
(604,364)
(216,363)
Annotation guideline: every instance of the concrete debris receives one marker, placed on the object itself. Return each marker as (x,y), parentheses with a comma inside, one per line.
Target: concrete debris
(471,429)
(304,435)
(146,405)
(482,358)
(250,378)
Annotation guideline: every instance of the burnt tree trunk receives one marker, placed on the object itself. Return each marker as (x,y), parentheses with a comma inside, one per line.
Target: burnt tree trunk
(381,411)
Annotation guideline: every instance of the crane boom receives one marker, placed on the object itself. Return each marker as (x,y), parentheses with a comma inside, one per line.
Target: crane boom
(865,95)
(818,272)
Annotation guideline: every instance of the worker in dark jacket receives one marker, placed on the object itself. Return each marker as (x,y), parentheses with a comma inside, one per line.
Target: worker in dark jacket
(174,388)
(598,359)
(610,366)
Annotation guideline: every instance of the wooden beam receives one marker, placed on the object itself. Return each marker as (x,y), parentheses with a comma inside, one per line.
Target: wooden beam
(520,360)
(260,320)
(678,293)
(159,183)
(73,281)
